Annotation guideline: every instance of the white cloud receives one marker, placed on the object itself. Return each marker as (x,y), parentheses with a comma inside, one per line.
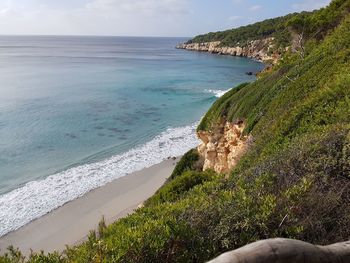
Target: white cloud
(307,5)
(145,7)
(130,17)
(4,10)
(5,7)
(97,17)
(255,8)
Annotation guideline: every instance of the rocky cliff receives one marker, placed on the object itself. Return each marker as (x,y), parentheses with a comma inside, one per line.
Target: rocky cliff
(222,148)
(260,50)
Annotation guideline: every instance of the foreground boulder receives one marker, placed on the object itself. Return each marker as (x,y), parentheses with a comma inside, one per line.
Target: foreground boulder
(282,250)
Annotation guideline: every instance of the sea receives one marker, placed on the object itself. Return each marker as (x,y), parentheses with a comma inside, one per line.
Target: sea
(77,112)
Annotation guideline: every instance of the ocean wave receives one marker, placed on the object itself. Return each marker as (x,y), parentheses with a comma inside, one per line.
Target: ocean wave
(37,198)
(217,93)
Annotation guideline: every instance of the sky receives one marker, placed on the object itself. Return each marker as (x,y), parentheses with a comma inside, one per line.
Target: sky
(185,18)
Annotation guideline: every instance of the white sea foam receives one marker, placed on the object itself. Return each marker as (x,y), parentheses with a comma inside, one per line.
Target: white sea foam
(37,198)
(218,93)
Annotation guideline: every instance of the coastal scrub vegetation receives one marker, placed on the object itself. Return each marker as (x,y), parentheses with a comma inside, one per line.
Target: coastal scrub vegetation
(293,182)
(189,161)
(296,27)
(241,36)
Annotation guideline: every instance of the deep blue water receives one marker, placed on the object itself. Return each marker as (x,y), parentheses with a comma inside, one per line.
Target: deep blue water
(69,101)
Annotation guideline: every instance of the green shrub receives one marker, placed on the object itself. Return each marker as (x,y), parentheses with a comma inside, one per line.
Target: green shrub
(177,187)
(190,161)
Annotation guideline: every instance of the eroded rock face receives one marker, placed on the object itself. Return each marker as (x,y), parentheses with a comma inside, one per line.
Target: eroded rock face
(257,49)
(222,148)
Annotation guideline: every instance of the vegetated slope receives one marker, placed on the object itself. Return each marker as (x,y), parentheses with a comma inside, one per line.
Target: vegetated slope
(275,27)
(293,182)
(315,24)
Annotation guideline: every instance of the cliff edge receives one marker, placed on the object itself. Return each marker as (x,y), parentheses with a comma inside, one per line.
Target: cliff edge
(222,148)
(261,50)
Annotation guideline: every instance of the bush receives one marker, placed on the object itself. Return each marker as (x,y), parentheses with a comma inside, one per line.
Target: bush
(190,161)
(177,188)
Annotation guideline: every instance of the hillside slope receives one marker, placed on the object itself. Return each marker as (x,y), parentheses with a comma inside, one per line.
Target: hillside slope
(268,40)
(293,181)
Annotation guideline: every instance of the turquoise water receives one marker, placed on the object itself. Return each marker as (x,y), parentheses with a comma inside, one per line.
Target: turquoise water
(86,110)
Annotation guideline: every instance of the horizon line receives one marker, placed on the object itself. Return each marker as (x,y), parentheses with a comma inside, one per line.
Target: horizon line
(88,35)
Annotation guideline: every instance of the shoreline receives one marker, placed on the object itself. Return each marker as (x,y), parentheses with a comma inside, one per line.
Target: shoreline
(256,50)
(39,197)
(70,224)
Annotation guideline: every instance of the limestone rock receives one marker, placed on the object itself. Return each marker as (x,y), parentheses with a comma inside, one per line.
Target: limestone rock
(221,149)
(256,49)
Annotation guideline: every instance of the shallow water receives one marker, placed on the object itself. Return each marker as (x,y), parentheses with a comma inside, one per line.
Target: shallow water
(77,112)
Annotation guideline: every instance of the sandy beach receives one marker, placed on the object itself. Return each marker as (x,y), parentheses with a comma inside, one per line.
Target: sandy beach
(70,224)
